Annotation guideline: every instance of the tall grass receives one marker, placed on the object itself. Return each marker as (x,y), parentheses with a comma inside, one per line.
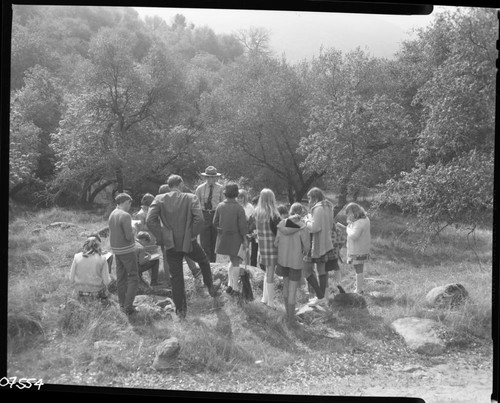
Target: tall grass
(54,334)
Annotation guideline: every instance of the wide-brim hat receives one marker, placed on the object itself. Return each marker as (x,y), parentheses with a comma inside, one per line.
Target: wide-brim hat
(210,171)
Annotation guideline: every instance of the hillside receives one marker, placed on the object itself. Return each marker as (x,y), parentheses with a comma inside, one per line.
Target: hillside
(226,346)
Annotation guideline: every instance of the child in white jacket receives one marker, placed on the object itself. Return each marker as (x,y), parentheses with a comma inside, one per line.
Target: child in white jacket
(358,241)
(292,241)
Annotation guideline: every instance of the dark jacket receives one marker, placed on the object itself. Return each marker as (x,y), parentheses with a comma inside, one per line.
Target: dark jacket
(180,214)
(231,223)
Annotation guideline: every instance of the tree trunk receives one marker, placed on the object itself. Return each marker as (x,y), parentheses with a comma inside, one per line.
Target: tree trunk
(342,197)
(291,194)
(98,190)
(300,193)
(119,180)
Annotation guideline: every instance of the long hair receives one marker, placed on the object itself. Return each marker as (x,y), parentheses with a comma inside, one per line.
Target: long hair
(266,206)
(316,195)
(91,246)
(356,210)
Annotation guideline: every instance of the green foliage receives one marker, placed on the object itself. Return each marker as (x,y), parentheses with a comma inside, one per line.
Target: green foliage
(460,192)
(102,101)
(257,116)
(452,182)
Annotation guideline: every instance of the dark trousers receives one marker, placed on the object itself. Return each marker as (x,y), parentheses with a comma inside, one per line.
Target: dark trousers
(174,259)
(208,235)
(253,252)
(195,270)
(152,265)
(127,278)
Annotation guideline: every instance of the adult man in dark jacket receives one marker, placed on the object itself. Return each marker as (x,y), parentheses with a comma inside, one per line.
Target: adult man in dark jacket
(182,219)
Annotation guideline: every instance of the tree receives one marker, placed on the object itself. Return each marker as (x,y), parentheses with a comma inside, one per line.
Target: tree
(23,150)
(357,134)
(354,141)
(255,41)
(256,116)
(451,183)
(40,102)
(125,105)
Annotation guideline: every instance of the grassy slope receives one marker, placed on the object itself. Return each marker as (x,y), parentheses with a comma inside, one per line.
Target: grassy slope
(236,348)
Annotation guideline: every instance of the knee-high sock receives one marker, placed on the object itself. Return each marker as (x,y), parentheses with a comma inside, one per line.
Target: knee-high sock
(337,277)
(313,282)
(265,297)
(360,277)
(323,282)
(236,277)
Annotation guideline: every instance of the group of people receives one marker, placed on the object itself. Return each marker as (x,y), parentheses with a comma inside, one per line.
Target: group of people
(301,244)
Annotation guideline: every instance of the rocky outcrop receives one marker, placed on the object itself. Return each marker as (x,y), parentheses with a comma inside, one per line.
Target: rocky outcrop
(166,353)
(447,296)
(420,334)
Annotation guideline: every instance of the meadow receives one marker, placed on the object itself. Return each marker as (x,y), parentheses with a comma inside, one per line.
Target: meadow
(232,347)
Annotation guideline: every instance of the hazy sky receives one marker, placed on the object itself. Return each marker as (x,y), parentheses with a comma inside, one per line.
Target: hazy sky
(299,35)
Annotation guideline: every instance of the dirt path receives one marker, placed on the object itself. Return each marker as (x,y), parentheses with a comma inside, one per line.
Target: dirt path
(459,377)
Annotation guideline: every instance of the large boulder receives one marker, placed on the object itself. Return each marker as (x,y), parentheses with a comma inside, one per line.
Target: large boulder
(420,334)
(166,353)
(447,296)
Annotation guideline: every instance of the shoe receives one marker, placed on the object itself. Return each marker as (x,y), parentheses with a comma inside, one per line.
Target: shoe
(215,288)
(131,311)
(312,301)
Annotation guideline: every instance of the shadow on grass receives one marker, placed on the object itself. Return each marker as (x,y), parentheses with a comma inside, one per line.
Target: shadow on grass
(268,325)
(353,320)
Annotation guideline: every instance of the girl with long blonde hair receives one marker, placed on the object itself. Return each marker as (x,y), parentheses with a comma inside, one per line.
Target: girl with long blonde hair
(267,218)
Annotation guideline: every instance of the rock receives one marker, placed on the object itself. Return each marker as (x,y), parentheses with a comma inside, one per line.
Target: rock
(348,299)
(380,295)
(165,302)
(333,334)
(63,225)
(420,335)
(310,314)
(447,296)
(166,352)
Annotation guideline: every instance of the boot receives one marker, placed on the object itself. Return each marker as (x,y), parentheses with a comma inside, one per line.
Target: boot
(290,315)
(313,283)
(359,283)
(323,283)
(235,275)
(265,297)
(270,295)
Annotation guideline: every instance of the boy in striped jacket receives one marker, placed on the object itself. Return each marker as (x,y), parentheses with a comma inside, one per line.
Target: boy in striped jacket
(122,243)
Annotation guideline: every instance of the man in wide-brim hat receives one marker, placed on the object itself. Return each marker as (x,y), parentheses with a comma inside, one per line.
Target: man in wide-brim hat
(210,194)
